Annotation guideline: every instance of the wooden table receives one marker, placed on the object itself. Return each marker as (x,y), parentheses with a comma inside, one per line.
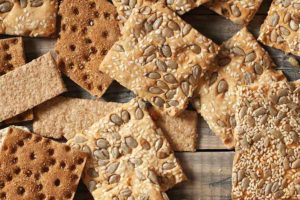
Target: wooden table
(208,169)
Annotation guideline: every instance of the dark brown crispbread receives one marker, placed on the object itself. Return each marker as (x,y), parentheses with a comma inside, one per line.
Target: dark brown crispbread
(88,31)
(33,167)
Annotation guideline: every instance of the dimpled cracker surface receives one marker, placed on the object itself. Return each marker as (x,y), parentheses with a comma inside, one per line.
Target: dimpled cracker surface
(267,160)
(238,11)
(128,155)
(37,82)
(241,61)
(34,18)
(33,167)
(160,57)
(11,57)
(4,131)
(88,30)
(281,28)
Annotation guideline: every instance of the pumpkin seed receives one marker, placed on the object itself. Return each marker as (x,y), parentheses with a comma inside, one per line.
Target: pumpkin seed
(149,50)
(243,112)
(145,144)
(166,51)
(148,27)
(222,86)
(116,119)
(213,78)
(131,142)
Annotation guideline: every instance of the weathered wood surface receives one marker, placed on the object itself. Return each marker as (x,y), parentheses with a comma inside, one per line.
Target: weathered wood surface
(209,169)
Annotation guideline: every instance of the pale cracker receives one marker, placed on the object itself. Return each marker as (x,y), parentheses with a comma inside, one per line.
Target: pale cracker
(281,28)
(34,18)
(267,162)
(241,61)
(29,86)
(161,65)
(127,150)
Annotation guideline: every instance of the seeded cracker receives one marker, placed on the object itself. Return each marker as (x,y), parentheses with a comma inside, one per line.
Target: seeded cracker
(37,82)
(267,162)
(88,30)
(281,28)
(11,57)
(163,64)
(238,11)
(33,167)
(129,155)
(241,61)
(34,18)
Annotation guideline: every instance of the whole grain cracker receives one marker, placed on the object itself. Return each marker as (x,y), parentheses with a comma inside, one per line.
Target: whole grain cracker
(126,151)
(5,131)
(88,30)
(267,162)
(29,86)
(281,27)
(33,167)
(238,11)
(241,61)
(34,18)
(160,57)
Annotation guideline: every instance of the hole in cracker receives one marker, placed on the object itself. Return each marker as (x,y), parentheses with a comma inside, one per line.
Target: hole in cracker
(96,14)
(71,65)
(52,198)
(37,176)
(104,34)
(72,167)
(68,194)
(50,152)
(17,170)
(20,190)
(91,22)
(93,50)
(57,182)
(86,58)
(72,47)
(2,184)
(37,138)
(104,52)
(99,87)
(85,77)
(5,148)
(87,40)
(61,64)
(89,86)
(52,161)
(45,169)
(14,41)
(73,28)
(14,161)
(13,149)
(3,195)
(8,177)
(74,177)
(81,66)
(9,66)
(106,15)
(41,196)
(47,141)
(20,143)
(62,164)
(7,57)
(79,161)
(32,156)
(84,31)
(67,148)
(75,11)
(39,187)
(92,5)
(28,173)
(5,47)
(63,27)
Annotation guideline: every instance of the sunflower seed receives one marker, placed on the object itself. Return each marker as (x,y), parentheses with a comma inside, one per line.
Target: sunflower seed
(185,87)
(132,3)
(145,10)
(139,114)
(283,100)
(172,64)
(102,143)
(170,2)
(157,23)
(245,183)
(158,144)
(125,149)
(136,161)
(238,51)
(293,25)
(131,142)
(86,149)
(284,31)
(155,90)
(149,50)
(92,173)
(259,111)
(258,69)
(268,189)
(196,71)
(250,57)
(297,6)
(162,85)
(161,65)
(273,36)
(166,51)
(275,187)
(115,152)
(125,116)
(114,179)
(278,194)
(125,2)
(148,27)
(92,186)
(145,144)
(79,139)
(116,119)
(152,177)
(235,11)
(274,19)
(213,78)
(140,175)
(169,78)
(296,164)
(222,86)
(196,48)
(232,121)
(224,61)
(173,25)
(234,179)
(101,154)
(119,48)
(186,29)
(112,168)
(23,3)
(168,166)
(36,3)
(170,94)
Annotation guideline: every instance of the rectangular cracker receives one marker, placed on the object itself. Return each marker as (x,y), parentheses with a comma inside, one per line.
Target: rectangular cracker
(267,162)
(29,86)
(88,30)
(4,132)
(162,66)
(34,18)
(127,153)
(33,167)
(11,57)
(64,117)
(241,61)
(238,11)
(280,29)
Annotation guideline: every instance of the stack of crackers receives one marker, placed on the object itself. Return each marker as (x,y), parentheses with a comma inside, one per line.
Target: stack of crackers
(126,151)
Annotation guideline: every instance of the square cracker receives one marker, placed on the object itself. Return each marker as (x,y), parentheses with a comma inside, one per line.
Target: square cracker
(64,117)
(281,27)
(88,30)
(33,167)
(163,64)
(29,86)
(34,18)
(241,61)
(126,151)
(238,11)
(267,162)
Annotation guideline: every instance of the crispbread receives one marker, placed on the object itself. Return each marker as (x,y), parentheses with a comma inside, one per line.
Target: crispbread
(241,61)
(281,28)
(239,11)
(35,18)
(36,81)
(159,64)
(88,30)
(181,131)
(4,132)
(63,116)
(267,162)
(127,151)
(33,167)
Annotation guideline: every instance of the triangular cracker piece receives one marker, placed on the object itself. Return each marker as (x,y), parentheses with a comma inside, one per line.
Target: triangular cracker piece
(241,61)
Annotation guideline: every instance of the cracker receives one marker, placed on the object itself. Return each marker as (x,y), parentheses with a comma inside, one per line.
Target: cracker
(281,28)
(181,131)
(127,150)
(241,61)
(34,18)
(29,86)
(162,65)
(88,31)
(267,162)
(238,11)
(4,132)
(33,167)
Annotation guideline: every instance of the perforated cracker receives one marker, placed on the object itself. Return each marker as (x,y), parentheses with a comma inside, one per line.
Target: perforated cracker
(163,64)
(238,11)
(281,28)
(267,162)
(33,167)
(5,131)
(129,155)
(88,30)
(35,18)
(241,61)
